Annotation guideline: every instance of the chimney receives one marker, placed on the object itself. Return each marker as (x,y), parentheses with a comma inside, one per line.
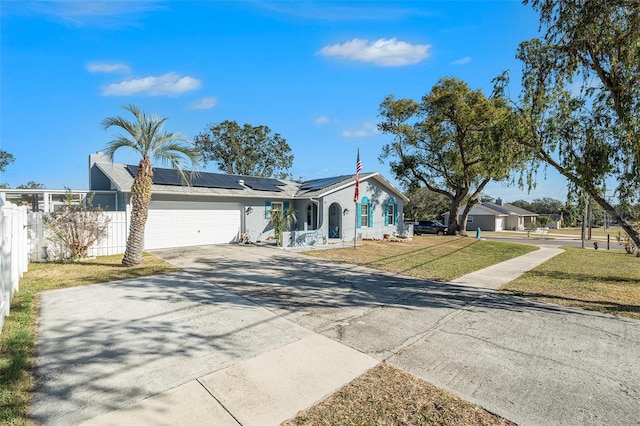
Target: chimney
(499,201)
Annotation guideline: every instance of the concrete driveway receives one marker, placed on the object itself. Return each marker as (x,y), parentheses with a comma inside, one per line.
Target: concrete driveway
(532,363)
(104,347)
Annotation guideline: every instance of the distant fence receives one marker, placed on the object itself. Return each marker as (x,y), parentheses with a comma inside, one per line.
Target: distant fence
(14,253)
(113,242)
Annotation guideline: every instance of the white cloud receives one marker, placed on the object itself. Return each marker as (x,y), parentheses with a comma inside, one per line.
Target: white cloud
(107,67)
(368,129)
(461,61)
(384,52)
(322,120)
(168,84)
(204,103)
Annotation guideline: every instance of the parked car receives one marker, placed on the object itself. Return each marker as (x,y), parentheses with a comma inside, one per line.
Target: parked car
(429,227)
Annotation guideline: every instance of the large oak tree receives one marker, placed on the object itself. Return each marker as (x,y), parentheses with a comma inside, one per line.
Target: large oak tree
(247,150)
(454,142)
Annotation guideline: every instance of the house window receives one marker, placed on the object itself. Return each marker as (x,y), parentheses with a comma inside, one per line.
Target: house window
(390,211)
(271,207)
(276,208)
(364,214)
(469,219)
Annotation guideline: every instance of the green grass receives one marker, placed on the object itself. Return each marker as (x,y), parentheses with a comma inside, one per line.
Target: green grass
(597,280)
(18,335)
(429,257)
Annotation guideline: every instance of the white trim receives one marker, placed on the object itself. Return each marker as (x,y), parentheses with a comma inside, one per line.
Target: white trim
(377,177)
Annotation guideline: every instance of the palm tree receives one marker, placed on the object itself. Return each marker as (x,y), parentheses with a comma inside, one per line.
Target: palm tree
(146,136)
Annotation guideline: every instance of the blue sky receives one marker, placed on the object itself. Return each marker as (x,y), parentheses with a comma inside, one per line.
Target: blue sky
(315,72)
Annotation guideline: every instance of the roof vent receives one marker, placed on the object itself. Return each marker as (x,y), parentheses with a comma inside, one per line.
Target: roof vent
(241,181)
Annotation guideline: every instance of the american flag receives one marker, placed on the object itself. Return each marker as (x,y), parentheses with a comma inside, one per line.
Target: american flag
(356,195)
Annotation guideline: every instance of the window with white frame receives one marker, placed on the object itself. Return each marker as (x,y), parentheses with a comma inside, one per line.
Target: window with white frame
(276,208)
(364,214)
(391,214)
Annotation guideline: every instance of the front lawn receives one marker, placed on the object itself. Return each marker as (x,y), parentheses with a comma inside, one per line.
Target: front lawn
(18,335)
(598,280)
(429,257)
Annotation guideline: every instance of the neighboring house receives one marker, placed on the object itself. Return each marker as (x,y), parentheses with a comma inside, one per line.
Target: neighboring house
(497,216)
(218,208)
(557,221)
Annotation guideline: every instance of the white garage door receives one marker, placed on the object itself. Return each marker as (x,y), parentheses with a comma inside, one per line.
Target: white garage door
(180,224)
(499,224)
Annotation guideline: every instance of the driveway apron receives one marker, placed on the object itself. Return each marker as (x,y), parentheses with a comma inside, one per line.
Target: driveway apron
(105,346)
(530,362)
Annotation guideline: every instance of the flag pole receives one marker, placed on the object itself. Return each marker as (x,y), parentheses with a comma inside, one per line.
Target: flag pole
(355,224)
(356,195)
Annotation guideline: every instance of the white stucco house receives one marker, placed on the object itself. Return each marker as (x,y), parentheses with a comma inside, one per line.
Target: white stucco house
(497,216)
(218,208)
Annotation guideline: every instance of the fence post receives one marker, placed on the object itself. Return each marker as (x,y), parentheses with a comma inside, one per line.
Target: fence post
(5,298)
(5,258)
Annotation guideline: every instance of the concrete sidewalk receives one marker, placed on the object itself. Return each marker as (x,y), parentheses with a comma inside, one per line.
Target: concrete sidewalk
(265,390)
(495,276)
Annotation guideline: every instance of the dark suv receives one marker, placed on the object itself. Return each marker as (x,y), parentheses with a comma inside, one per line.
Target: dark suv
(429,227)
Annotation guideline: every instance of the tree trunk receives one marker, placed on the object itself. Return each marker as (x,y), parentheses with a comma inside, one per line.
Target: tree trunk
(453,226)
(140,200)
(473,200)
(465,213)
(595,195)
(630,230)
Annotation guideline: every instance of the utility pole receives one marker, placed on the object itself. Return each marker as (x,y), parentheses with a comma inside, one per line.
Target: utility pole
(589,216)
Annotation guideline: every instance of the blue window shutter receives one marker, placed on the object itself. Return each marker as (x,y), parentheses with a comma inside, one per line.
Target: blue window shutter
(285,207)
(267,209)
(370,215)
(386,215)
(397,214)
(359,215)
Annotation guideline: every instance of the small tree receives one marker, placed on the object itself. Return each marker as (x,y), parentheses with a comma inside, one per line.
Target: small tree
(76,227)
(6,158)
(31,185)
(281,221)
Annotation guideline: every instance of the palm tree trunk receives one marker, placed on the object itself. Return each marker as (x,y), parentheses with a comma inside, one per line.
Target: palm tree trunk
(140,200)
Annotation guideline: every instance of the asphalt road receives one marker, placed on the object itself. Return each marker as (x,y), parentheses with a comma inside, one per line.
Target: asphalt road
(550,241)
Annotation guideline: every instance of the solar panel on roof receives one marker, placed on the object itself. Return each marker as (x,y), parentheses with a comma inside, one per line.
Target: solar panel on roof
(200,179)
(262,184)
(316,184)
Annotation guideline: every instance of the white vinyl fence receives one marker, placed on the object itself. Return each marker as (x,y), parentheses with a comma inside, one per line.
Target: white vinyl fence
(14,253)
(113,242)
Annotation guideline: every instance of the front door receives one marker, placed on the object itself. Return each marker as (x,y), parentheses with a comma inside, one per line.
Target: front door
(312,216)
(335,221)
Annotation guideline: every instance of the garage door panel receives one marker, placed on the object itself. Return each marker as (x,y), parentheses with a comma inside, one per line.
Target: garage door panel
(180,224)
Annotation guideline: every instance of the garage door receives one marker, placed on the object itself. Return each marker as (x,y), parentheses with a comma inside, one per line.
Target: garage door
(180,224)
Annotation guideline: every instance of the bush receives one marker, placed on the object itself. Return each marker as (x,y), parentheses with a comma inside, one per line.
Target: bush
(75,228)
